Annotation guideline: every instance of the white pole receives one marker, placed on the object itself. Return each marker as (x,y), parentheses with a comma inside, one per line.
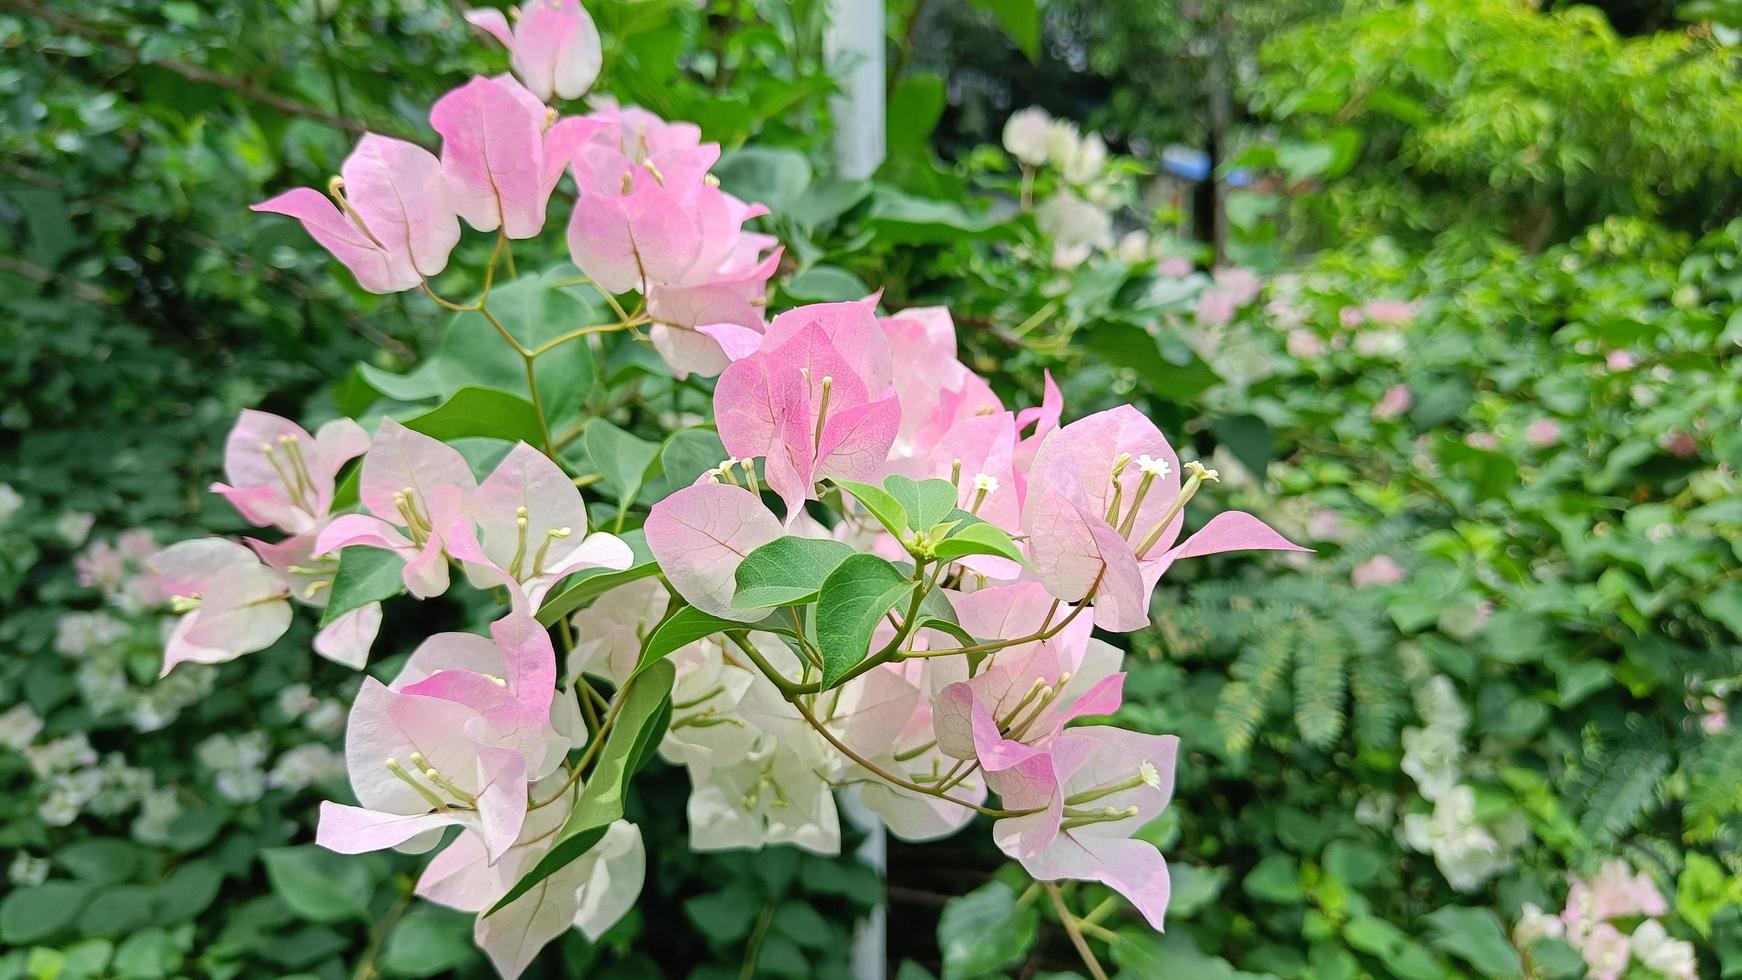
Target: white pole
(855,51)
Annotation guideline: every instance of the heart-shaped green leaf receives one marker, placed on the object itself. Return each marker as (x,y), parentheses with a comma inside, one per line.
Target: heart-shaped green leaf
(853,598)
(787,571)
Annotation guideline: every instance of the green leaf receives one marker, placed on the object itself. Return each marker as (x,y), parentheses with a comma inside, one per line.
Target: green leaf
(1130,346)
(773,176)
(1020,19)
(319,885)
(1275,879)
(488,413)
(429,940)
(533,311)
(103,860)
(926,502)
(117,910)
(601,799)
(1248,437)
(684,457)
(853,598)
(985,930)
(28,915)
(365,575)
(589,584)
(787,571)
(727,915)
(978,539)
(888,511)
(824,284)
(1403,956)
(621,459)
(188,891)
(1476,937)
(679,630)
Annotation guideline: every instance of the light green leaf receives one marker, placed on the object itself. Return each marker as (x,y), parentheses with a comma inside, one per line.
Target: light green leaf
(481,412)
(787,571)
(601,799)
(853,598)
(622,459)
(824,284)
(927,502)
(888,511)
(1020,19)
(978,539)
(365,575)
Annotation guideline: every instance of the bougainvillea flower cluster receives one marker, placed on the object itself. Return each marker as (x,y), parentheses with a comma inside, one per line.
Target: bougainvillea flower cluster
(890,588)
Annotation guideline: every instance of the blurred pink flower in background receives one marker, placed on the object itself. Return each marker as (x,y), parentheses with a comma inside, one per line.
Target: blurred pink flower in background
(1681,445)
(1393,403)
(1378,570)
(1389,312)
(1303,343)
(1542,433)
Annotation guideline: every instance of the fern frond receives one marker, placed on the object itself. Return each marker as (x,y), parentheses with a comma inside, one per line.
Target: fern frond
(1319,684)
(1624,794)
(1715,789)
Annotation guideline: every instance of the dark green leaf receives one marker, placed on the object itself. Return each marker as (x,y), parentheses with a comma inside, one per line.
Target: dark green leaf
(585,586)
(985,930)
(318,884)
(786,571)
(853,599)
(1476,937)
(601,799)
(365,575)
(29,915)
(679,630)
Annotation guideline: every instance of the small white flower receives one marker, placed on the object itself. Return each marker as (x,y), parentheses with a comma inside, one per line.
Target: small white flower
(1151,466)
(986,484)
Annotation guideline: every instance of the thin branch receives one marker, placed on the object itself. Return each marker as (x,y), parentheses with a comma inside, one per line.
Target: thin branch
(247,88)
(1071,930)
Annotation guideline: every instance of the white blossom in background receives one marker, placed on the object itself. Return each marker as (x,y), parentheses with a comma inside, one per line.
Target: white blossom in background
(74,526)
(19,726)
(1464,850)
(1025,135)
(10,502)
(305,766)
(236,763)
(157,810)
(27,870)
(1433,755)
(1655,950)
